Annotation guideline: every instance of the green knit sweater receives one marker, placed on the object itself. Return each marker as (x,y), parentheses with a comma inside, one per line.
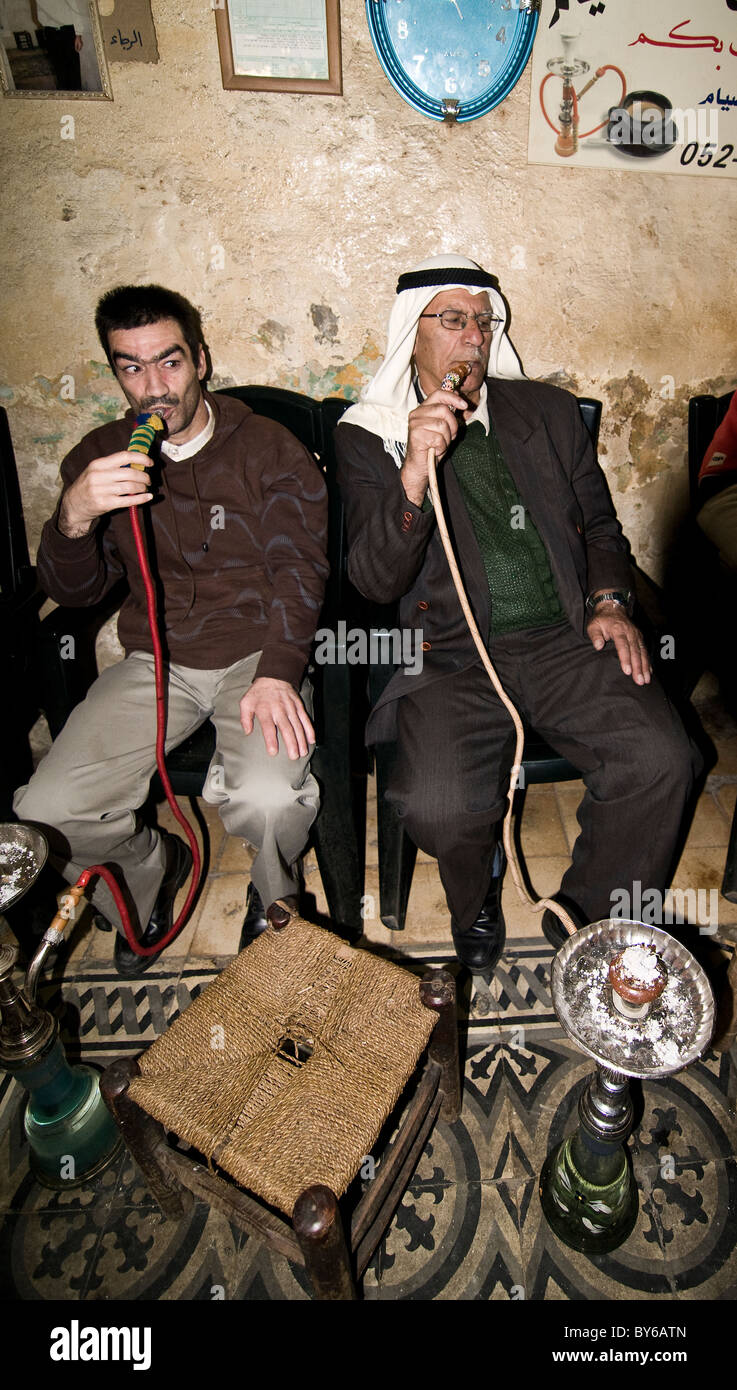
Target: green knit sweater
(523,592)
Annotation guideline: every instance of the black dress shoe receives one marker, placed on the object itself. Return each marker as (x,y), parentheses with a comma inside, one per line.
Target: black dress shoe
(480,947)
(178,866)
(254,921)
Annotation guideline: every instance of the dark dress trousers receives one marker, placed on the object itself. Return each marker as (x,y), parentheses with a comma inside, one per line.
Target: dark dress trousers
(455,739)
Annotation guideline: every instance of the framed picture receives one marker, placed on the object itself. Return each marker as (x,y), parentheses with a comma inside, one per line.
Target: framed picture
(280,45)
(56,52)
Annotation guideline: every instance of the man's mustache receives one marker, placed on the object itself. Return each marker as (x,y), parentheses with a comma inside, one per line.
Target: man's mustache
(159,401)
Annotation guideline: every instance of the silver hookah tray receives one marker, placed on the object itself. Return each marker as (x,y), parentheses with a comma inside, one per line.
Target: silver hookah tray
(679,1025)
(23,852)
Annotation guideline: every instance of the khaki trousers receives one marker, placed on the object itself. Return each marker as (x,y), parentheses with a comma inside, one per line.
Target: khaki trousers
(86,792)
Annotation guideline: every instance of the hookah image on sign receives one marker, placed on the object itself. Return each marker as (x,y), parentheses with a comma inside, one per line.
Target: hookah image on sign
(616,87)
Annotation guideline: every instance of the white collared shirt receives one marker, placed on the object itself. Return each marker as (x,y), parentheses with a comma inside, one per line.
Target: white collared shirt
(192,446)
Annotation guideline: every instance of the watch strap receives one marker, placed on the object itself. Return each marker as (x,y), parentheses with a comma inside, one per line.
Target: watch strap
(621,596)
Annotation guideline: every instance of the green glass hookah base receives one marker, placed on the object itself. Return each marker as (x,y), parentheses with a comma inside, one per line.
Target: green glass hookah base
(590,1218)
(69,1148)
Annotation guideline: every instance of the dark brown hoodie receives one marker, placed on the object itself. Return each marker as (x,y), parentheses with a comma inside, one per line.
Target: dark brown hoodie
(236,535)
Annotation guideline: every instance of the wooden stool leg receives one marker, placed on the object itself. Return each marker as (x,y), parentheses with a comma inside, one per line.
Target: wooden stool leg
(145,1138)
(729,883)
(319,1229)
(727,1007)
(437,991)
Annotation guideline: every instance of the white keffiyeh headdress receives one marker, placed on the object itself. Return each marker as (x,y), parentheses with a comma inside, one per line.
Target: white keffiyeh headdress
(386,402)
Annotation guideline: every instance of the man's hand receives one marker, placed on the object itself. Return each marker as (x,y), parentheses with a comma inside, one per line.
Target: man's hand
(104,485)
(433,425)
(610,623)
(280,713)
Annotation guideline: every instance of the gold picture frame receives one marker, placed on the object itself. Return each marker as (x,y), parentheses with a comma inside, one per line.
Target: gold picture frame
(94,73)
(280,45)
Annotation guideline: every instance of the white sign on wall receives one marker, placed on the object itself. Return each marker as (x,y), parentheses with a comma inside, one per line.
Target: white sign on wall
(624,85)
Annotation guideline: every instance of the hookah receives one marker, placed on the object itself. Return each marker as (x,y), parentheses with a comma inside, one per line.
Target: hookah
(636,1001)
(568,67)
(630,996)
(71,1133)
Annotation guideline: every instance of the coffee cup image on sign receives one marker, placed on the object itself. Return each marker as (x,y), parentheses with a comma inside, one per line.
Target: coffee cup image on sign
(643,125)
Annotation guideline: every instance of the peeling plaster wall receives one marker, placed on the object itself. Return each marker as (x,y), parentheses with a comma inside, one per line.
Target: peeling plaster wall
(287,219)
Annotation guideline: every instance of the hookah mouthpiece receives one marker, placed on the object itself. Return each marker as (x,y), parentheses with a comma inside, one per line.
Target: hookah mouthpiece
(143,436)
(455,376)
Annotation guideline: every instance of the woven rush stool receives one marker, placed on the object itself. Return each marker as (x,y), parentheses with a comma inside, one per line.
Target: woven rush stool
(282,1074)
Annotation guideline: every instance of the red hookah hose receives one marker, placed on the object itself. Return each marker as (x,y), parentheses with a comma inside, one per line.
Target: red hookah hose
(100,869)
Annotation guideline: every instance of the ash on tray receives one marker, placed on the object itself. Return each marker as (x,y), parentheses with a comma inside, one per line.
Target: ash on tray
(17,868)
(656,1043)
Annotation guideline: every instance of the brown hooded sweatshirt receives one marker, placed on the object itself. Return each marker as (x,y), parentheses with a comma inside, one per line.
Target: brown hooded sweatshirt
(236,535)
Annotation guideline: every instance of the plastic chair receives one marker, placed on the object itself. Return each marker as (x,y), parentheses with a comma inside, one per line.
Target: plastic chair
(705,415)
(340,857)
(20,601)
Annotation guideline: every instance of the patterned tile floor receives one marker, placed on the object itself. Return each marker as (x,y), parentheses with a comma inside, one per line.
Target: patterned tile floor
(470,1226)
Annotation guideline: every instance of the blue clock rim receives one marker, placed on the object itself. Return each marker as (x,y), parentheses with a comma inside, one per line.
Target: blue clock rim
(426,105)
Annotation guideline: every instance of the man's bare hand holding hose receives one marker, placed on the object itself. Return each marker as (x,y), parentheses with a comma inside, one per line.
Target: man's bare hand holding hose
(104,485)
(433,425)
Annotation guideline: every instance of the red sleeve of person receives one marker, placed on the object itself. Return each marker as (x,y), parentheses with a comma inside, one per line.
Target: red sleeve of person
(719,468)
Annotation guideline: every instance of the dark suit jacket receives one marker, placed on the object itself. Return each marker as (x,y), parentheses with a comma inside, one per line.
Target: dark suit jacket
(395,550)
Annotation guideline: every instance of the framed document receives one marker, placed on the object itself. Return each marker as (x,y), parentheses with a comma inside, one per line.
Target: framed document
(280,45)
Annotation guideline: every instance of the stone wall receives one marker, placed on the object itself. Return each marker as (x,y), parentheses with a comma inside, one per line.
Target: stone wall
(287,218)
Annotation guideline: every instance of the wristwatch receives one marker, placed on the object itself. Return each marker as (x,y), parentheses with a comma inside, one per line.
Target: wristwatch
(623,597)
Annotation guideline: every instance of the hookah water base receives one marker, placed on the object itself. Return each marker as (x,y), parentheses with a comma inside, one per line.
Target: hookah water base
(587,1188)
(71,1133)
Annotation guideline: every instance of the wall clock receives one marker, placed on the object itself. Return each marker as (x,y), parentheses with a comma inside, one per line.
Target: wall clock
(453,60)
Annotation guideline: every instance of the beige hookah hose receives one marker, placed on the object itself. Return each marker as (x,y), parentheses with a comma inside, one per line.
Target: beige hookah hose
(537,904)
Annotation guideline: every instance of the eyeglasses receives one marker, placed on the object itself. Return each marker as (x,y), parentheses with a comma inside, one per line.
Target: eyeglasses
(456,319)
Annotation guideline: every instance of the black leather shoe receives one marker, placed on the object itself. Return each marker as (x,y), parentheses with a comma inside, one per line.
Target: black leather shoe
(178,866)
(480,947)
(254,921)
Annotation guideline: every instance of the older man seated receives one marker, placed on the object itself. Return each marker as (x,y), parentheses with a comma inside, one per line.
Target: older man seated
(547,572)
